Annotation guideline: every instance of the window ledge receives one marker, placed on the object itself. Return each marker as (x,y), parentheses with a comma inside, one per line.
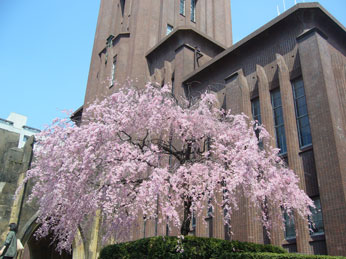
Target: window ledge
(317,237)
(289,241)
(305,148)
(282,155)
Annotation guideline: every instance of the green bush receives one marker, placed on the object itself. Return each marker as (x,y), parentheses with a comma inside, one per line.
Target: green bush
(275,256)
(198,247)
(193,247)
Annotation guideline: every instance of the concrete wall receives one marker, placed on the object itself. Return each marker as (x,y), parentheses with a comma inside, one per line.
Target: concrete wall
(10,164)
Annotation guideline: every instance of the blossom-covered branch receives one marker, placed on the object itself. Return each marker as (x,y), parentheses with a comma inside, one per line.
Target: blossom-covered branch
(139,152)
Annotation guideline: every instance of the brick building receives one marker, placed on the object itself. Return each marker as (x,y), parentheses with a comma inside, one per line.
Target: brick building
(290,75)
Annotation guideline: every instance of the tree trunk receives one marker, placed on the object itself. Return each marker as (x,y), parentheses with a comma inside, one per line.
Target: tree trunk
(185,226)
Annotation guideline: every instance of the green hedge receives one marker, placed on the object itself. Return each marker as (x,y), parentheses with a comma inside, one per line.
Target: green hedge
(198,247)
(275,256)
(194,247)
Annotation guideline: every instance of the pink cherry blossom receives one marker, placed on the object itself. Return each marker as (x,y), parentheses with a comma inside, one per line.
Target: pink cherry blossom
(140,152)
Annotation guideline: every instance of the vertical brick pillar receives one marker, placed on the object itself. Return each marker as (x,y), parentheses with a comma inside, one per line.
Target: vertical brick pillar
(328,135)
(94,239)
(26,162)
(201,224)
(161,224)
(265,103)
(245,224)
(218,225)
(150,226)
(138,228)
(183,65)
(158,76)
(277,235)
(294,160)
(168,73)
(237,94)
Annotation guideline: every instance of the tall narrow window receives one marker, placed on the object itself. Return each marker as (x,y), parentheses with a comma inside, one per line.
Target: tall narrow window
(182,7)
(290,231)
(114,67)
(279,121)
(209,220)
(316,218)
(303,124)
(193,10)
(194,223)
(256,111)
(169,29)
(122,6)
(227,228)
(256,115)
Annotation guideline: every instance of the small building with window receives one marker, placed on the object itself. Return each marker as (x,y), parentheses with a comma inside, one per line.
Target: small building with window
(16,123)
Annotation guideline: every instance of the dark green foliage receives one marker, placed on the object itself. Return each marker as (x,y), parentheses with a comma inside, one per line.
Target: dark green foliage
(275,256)
(194,247)
(198,247)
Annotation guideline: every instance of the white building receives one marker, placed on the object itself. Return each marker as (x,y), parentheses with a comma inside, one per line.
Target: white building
(17,123)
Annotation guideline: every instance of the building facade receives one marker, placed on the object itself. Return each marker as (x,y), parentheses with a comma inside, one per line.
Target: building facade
(289,75)
(16,123)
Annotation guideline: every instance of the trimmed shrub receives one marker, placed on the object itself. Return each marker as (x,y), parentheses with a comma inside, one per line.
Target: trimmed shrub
(275,256)
(190,247)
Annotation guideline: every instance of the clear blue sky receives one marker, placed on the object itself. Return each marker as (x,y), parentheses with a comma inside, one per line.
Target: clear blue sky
(45,50)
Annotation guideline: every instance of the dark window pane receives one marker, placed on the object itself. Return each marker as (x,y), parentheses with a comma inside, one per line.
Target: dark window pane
(182,7)
(304,122)
(305,134)
(301,107)
(281,139)
(193,10)
(169,29)
(316,218)
(278,116)
(256,111)
(298,88)
(278,121)
(301,113)
(114,67)
(122,5)
(276,99)
(290,231)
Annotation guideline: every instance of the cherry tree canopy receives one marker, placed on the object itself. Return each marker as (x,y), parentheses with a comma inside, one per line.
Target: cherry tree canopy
(139,152)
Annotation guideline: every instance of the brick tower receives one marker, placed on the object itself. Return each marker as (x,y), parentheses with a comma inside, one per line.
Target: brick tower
(127,30)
